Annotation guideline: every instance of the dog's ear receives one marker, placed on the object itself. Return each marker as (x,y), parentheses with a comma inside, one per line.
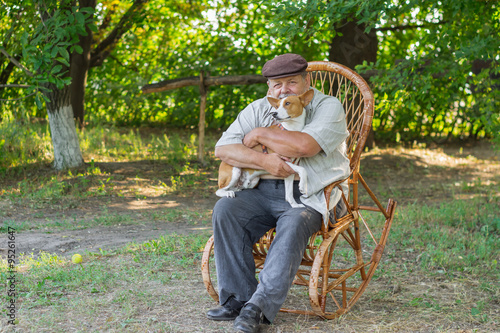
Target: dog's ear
(306,97)
(274,101)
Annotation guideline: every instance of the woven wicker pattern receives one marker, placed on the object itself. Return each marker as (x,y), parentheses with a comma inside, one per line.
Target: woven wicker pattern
(356,97)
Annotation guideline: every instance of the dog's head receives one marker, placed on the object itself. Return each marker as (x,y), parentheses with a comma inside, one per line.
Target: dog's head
(290,107)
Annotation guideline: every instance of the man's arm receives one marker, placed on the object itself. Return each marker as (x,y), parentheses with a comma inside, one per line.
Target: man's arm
(243,157)
(286,143)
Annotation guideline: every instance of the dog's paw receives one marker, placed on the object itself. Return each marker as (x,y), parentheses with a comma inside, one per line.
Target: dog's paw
(230,194)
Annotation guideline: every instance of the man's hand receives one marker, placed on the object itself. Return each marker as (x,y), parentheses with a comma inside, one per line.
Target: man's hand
(276,165)
(252,138)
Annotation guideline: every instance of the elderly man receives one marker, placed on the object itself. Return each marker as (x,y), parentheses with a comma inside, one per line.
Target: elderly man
(239,222)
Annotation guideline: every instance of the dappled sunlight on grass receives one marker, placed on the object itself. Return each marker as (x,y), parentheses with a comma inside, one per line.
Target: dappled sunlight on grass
(27,261)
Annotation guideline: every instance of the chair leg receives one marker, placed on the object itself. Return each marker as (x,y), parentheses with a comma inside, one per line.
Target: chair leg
(323,302)
(333,291)
(208,269)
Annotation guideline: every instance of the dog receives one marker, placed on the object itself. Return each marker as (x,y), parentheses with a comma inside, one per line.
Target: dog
(291,114)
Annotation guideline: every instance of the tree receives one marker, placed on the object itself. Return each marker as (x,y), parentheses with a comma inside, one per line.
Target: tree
(437,71)
(94,54)
(430,80)
(45,52)
(56,56)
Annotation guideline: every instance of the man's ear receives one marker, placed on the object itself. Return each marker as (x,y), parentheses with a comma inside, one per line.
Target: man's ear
(306,97)
(274,101)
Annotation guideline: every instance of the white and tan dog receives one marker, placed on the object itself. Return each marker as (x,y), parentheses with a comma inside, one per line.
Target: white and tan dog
(291,113)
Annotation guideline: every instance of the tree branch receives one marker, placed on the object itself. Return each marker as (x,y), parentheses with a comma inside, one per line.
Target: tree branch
(102,51)
(16,99)
(405,27)
(15,62)
(25,86)
(208,81)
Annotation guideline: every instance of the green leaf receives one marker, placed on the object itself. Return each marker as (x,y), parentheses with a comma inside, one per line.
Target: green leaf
(78,49)
(63,61)
(93,27)
(56,69)
(38,102)
(64,53)
(80,19)
(54,51)
(37,64)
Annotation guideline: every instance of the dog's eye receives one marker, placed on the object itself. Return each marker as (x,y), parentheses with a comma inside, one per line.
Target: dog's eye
(287,103)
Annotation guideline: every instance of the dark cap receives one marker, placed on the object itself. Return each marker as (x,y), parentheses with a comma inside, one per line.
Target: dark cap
(284,65)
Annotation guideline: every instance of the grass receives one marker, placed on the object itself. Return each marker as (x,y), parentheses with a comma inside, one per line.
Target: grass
(170,154)
(29,143)
(439,272)
(457,236)
(145,286)
(126,281)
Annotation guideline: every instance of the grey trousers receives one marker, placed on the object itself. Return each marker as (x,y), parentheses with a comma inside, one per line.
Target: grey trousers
(239,222)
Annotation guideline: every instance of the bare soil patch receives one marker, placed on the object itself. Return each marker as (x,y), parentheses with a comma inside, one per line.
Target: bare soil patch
(130,220)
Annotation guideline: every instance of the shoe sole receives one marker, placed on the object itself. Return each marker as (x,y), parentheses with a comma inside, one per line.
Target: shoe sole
(220,319)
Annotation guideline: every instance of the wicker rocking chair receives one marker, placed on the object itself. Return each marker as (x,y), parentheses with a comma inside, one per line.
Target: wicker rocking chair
(341,258)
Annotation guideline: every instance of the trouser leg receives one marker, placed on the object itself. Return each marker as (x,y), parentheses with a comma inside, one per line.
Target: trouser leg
(293,230)
(238,223)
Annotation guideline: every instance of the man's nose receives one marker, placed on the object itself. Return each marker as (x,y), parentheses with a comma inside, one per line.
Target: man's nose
(285,89)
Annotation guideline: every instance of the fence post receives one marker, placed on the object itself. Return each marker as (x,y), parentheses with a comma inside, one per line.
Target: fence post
(201,124)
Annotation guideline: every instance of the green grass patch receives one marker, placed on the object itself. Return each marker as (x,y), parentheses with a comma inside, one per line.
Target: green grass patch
(128,278)
(159,273)
(170,157)
(24,144)
(456,236)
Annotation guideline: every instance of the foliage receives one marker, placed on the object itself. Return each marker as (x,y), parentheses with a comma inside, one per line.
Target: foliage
(44,34)
(218,39)
(429,83)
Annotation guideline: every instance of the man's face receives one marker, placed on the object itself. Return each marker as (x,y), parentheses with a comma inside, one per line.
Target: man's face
(286,86)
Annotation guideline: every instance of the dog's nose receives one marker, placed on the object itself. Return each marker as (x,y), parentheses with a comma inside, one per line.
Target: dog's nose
(274,114)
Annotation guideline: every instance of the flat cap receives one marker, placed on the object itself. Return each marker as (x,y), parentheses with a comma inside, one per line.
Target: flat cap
(284,65)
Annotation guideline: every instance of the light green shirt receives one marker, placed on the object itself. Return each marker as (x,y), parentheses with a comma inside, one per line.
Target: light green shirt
(325,122)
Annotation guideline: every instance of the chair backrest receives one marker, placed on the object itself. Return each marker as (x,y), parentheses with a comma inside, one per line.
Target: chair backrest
(355,95)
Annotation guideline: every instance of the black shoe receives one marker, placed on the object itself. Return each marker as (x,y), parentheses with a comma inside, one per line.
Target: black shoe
(229,311)
(249,319)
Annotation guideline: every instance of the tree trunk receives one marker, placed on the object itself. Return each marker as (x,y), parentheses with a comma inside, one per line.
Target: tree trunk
(79,69)
(352,48)
(67,153)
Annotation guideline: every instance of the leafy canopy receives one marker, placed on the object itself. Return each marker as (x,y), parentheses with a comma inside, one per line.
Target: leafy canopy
(437,60)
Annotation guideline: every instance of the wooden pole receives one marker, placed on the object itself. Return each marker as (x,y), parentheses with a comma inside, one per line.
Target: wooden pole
(209,81)
(201,124)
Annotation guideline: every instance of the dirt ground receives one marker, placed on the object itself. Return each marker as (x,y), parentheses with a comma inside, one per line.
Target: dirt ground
(91,239)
